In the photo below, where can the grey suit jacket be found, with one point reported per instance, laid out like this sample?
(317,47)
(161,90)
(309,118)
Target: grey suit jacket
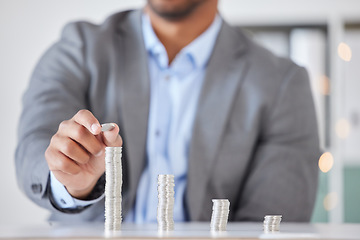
(254,139)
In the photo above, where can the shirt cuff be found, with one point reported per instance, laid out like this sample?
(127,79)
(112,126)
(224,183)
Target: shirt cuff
(62,197)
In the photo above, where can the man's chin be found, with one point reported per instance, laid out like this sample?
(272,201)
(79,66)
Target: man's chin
(173,11)
(171,16)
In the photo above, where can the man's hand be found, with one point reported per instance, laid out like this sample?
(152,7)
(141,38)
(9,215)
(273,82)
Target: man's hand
(77,150)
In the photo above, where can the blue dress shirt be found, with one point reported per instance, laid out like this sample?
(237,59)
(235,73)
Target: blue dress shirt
(175,90)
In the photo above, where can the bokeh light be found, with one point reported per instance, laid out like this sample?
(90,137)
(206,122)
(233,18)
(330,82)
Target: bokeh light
(326,162)
(330,201)
(344,52)
(342,128)
(324,85)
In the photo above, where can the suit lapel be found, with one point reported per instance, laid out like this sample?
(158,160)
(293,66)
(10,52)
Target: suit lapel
(134,97)
(225,72)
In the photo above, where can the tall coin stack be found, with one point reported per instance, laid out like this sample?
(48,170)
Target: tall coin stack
(113,177)
(272,223)
(220,214)
(165,209)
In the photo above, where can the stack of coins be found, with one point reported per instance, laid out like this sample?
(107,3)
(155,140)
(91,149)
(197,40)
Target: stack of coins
(220,214)
(113,177)
(272,223)
(165,209)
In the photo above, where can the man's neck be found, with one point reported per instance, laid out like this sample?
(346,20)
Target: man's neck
(175,35)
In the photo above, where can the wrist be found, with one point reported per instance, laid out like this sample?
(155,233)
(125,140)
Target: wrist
(81,194)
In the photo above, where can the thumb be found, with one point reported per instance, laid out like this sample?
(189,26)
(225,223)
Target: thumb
(111,137)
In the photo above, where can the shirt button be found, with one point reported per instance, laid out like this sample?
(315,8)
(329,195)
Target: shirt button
(62,201)
(157,133)
(167,77)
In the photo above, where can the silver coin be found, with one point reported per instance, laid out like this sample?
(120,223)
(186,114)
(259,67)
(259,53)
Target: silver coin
(272,223)
(113,185)
(220,214)
(165,208)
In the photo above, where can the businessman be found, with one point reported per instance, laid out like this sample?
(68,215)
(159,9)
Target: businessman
(189,95)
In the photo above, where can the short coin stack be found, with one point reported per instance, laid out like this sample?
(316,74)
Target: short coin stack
(113,176)
(272,223)
(165,209)
(220,214)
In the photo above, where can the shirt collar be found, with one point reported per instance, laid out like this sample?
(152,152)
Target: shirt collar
(198,50)
(150,39)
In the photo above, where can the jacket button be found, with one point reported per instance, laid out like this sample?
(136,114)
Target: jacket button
(36,188)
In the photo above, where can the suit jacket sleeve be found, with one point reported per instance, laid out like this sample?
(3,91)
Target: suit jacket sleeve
(57,90)
(282,177)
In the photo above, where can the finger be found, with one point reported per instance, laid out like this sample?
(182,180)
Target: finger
(80,135)
(88,120)
(111,138)
(72,149)
(59,162)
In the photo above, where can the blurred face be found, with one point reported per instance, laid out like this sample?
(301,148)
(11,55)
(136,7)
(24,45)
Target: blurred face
(174,9)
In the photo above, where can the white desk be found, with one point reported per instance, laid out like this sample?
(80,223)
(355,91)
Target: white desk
(182,231)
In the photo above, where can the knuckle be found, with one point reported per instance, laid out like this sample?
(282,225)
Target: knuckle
(55,139)
(61,164)
(83,112)
(48,155)
(51,143)
(79,132)
(55,144)
(64,165)
(64,127)
(68,147)
(63,124)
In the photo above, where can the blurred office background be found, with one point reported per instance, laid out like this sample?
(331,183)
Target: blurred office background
(322,35)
